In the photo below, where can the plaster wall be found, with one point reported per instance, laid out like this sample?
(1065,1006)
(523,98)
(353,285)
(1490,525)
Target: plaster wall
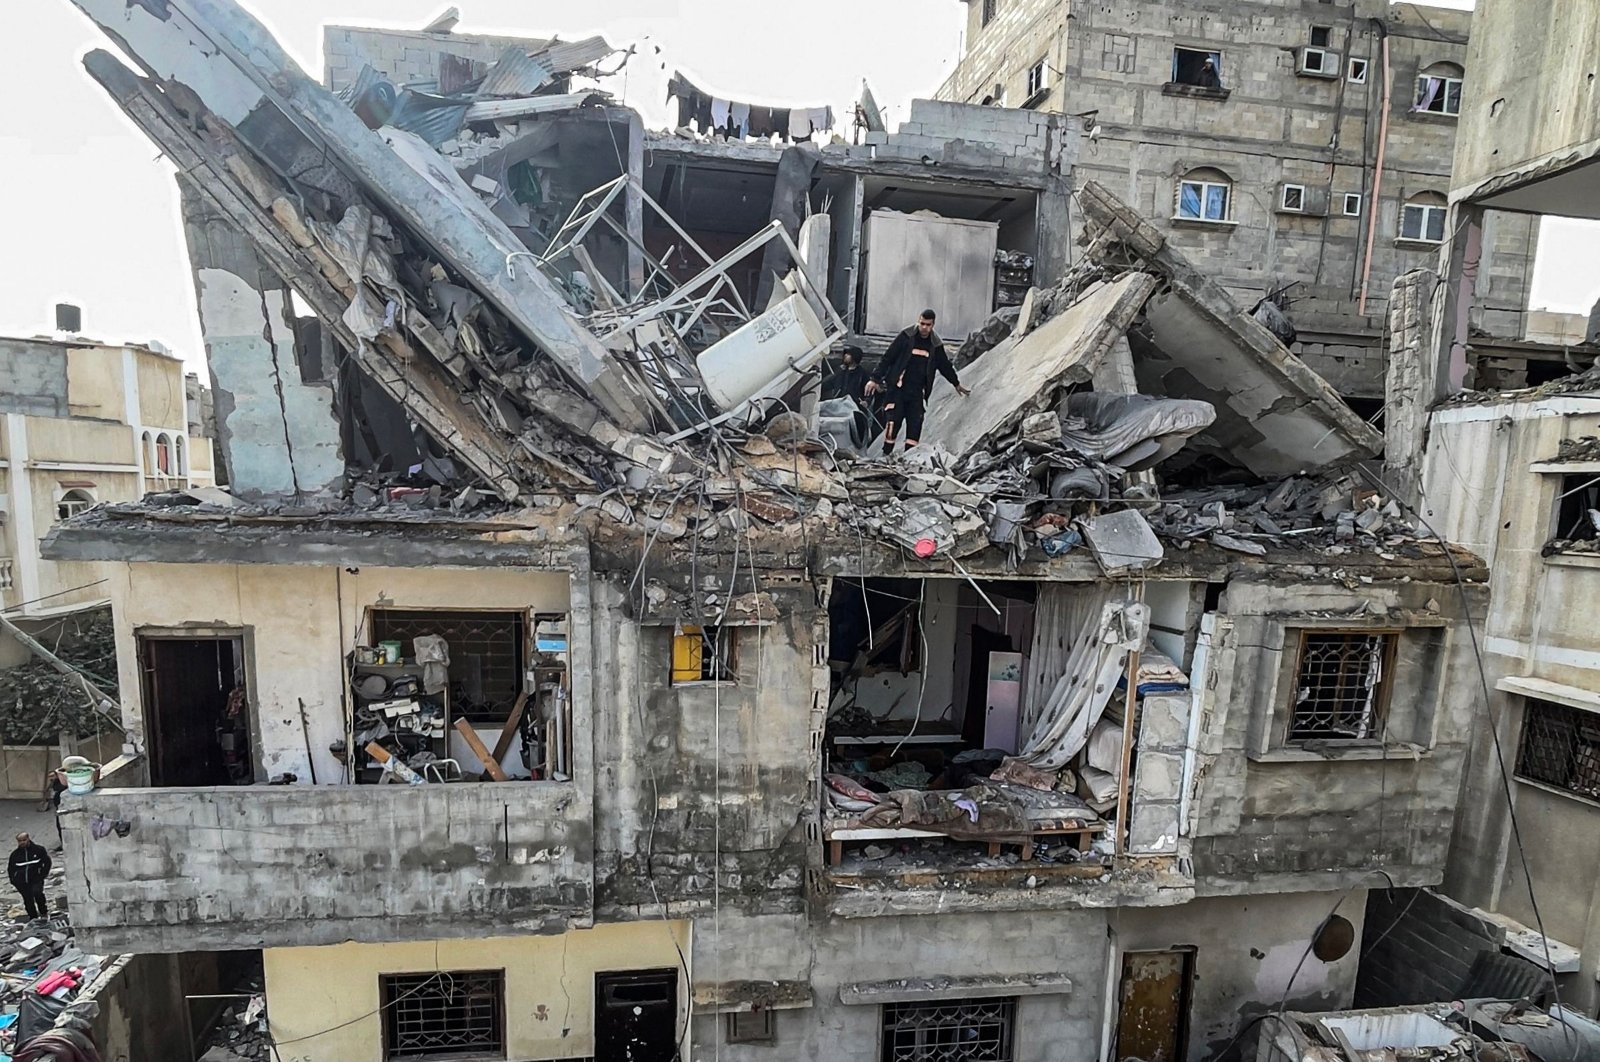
(96,383)
(1480,489)
(1533,92)
(160,383)
(1246,953)
(549,986)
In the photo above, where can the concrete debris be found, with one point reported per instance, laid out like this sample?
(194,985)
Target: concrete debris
(518,345)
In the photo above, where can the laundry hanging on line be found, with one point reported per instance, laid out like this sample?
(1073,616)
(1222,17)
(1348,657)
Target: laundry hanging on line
(737,119)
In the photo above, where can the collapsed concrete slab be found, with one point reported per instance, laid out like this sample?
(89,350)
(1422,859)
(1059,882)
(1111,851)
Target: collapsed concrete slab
(230,64)
(1012,380)
(1275,415)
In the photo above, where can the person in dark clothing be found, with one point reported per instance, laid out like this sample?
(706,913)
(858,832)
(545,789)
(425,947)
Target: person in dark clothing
(850,381)
(29,865)
(905,375)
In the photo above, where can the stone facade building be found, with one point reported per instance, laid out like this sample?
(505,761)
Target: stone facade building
(1304,172)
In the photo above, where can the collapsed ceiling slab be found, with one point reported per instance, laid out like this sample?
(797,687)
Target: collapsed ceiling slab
(1275,416)
(1012,380)
(237,71)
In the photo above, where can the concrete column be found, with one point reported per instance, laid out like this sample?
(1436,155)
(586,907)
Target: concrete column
(1462,257)
(279,435)
(1408,386)
(633,205)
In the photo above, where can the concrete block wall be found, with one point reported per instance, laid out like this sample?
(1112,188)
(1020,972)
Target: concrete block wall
(1276,126)
(284,865)
(1158,777)
(404,56)
(698,776)
(1421,946)
(1266,820)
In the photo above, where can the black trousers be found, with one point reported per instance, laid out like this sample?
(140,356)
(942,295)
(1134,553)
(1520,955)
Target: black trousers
(906,406)
(35,902)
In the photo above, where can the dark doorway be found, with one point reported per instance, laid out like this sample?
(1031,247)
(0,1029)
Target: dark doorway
(197,729)
(1153,1005)
(636,1016)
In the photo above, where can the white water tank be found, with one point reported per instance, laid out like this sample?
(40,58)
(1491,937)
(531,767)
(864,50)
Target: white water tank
(739,367)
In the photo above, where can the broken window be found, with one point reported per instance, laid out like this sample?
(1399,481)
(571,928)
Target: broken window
(488,652)
(164,454)
(1439,89)
(1578,508)
(1352,204)
(1293,199)
(1342,681)
(443,1015)
(1038,83)
(1560,747)
(988,10)
(1192,66)
(947,1031)
(1320,36)
(1422,219)
(73,502)
(752,1027)
(1357,72)
(704,654)
(1205,195)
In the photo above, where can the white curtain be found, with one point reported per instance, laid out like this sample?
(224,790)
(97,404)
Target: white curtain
(1081,640)
(1427,92)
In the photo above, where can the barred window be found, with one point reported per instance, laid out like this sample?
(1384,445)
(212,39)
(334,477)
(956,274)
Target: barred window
(1341,685)
(977,1031)
(443,1015)
(1560,747)
(488,654)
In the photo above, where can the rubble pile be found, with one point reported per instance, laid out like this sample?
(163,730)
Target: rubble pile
(42,972)
(37,702)
(240,1033)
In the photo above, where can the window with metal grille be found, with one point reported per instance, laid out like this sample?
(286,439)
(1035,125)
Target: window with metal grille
(988,10)
(1578,507)
(1341,685)
(977,1031)
(752,1027)
(1560,747)
(704,654)
(488,654)
(443,1015)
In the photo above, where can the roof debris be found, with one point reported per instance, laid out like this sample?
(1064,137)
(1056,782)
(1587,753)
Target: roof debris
(559,355)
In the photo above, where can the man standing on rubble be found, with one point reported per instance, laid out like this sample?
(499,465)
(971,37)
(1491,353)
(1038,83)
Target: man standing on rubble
(29,866)
(906,376)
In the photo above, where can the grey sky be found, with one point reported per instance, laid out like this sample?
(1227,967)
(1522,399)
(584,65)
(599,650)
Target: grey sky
(92,211)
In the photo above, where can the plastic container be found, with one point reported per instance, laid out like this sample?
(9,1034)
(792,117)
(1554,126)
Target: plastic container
(80,779)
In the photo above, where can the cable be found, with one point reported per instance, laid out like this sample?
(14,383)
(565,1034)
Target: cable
(1494,733)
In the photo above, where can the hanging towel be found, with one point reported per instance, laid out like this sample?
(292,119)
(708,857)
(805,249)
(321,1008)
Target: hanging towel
(719,113)
(740,117)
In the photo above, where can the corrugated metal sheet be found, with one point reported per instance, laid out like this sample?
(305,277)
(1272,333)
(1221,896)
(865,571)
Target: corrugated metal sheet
(516,74)
(433,118)
(491,110)
(568,56)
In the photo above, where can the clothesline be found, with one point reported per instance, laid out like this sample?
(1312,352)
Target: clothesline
(738,120)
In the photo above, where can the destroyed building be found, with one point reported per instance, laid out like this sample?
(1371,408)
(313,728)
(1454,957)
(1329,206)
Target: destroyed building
(560,678)
(1308,165)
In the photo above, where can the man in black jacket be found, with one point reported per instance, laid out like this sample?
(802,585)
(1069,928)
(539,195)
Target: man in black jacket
(29,865)
(906,376)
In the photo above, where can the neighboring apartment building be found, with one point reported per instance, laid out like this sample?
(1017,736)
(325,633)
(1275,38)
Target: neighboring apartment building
(1515,477)
(82,423)
(1312,154)
(686,646)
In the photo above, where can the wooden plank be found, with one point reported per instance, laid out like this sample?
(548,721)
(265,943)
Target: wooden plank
(490,765)
(509,731)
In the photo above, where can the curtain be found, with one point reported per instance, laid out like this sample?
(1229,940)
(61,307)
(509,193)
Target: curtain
(1189,200)
(1216,64)
(1427,92)
(1081,640)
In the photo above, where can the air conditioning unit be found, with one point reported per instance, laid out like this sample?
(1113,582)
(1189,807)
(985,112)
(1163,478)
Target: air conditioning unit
(1316,62)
